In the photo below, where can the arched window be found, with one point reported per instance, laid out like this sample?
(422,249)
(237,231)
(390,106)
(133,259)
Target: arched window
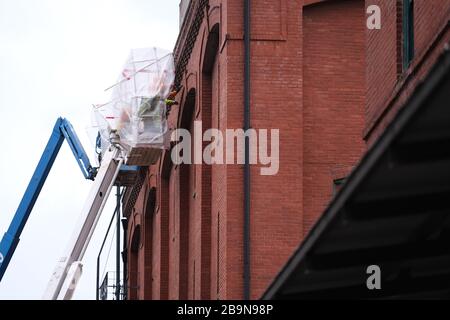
(134,261)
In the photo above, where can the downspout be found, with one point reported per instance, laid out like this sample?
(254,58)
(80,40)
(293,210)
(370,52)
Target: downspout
(117,293)
(247,150)
(124,258)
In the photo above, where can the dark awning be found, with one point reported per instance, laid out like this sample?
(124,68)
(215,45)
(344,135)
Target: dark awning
(393,211)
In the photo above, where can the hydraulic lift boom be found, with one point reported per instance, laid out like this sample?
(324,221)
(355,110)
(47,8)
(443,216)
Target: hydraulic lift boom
(62,130)
(68,270)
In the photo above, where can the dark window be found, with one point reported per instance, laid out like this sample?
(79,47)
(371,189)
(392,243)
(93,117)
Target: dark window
(337,185)
(151,203)
(134,262)
(408,32)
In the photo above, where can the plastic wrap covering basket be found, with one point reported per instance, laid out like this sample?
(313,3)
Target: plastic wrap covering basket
(137,110)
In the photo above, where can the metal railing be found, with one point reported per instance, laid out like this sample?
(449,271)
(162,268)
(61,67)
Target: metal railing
(110,280)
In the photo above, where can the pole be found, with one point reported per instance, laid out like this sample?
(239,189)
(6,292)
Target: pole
(118,245)
(247,285)
(100,252)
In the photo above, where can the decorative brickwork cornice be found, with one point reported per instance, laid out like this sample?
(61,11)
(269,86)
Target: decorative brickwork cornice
(132,194)
(188,35)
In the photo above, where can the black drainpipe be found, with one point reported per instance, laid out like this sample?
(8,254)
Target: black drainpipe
(118,248)
(247,150)
(125,258)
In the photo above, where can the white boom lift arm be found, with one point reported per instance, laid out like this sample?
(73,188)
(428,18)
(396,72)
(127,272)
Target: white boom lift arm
(68,270)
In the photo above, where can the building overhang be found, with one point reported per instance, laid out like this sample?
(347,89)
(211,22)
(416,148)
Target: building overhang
(393,211)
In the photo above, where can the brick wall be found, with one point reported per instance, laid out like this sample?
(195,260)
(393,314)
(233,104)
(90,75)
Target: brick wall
(205,208)
(384,87)
(333,112)
(313,69)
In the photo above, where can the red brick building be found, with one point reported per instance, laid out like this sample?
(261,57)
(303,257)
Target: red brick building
(318,75)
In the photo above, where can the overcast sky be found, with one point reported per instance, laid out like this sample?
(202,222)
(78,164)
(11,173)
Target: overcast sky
(56,58)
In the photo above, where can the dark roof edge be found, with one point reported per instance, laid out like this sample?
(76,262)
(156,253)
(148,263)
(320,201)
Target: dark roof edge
(423,91)
(388,104)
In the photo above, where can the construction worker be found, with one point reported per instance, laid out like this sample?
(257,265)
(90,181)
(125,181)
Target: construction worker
(170,101)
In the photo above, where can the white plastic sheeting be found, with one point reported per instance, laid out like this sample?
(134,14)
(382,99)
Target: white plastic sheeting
(137,109)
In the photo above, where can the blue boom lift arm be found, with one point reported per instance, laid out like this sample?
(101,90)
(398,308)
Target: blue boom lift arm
(62,130)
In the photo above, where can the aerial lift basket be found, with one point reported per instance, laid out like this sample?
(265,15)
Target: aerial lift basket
(137,110)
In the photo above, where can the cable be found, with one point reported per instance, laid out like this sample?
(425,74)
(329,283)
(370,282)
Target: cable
(109,252)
